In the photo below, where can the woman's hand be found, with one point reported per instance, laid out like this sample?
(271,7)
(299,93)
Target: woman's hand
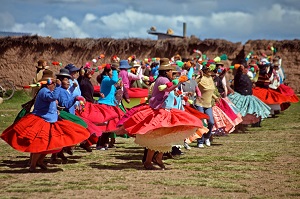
(58,82)
(102,95)
(75,84)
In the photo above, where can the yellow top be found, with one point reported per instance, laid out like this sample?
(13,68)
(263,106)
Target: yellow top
(207,88)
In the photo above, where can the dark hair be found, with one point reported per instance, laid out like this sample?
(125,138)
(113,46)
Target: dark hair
(105,71)
(61,77)
(154,64)
(163,73)
(186,59)
(243,62)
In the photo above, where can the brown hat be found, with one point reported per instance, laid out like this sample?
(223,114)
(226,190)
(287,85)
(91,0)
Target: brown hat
(47,74)
(220,63)
(276,63)
(164,64)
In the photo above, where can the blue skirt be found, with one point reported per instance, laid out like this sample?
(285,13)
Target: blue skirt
(249,104)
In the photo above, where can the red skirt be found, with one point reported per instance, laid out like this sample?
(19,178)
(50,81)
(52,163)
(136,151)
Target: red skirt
(33,134)
(159,129)
(269,96)
(112,124)
(98,113)
(92,128)
(195,112)
(147,119)
(289,92)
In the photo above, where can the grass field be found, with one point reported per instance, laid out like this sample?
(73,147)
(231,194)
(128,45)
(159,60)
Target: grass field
(261,163)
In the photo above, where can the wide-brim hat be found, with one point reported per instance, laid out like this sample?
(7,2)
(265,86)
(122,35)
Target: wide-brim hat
(220,63)
(71,68)
(64,72)
(124,64)
(164,64)
(47,74)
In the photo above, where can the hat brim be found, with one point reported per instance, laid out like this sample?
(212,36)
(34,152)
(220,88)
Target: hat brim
(166,67)
(45,79)
(63,75)
(74,69)
(125,66)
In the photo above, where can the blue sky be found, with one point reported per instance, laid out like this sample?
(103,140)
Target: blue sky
(233,20)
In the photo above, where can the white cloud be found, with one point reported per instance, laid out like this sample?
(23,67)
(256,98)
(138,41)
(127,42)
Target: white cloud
(271,21)
(89,17)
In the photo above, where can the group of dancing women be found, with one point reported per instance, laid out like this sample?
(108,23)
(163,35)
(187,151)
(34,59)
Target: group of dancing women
(188,100)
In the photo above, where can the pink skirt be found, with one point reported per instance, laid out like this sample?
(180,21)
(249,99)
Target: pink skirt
(159,129)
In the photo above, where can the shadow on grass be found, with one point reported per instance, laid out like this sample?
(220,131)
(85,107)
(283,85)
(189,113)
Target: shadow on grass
(22,166)
(24,163)
(14,163)
(133,165)
(216,144)
(18,171)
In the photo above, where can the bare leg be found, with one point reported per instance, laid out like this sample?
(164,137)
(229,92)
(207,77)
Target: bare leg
(112,142)
(158,160)
(34,158)
(148,162)
(40,162)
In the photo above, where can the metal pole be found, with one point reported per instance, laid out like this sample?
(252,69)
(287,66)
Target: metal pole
(184,29)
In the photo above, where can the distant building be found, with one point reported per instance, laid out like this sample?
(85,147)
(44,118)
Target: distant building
(13,34)
(168,34)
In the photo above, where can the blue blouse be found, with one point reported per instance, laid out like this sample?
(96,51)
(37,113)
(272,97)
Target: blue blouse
(108,88)
(67,100)
(74,91)
(45,104)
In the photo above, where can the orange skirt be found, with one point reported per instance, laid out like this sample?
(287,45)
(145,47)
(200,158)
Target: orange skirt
(33,134)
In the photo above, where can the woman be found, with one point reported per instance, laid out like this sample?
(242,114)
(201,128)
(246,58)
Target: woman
(66,102)
(269,95)
(156,126)
(108,80)
(251,108)
(204,103)
(74,87)
(42,132)
(93,112)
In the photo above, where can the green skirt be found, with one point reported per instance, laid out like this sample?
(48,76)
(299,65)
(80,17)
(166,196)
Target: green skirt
(73,118)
